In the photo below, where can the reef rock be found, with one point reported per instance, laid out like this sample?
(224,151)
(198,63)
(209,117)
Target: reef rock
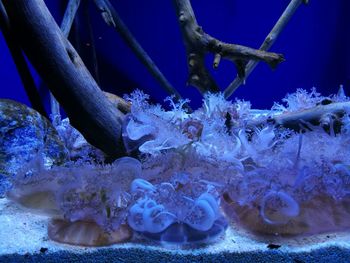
(23,134)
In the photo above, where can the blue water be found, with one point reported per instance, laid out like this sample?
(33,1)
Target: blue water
(315,43)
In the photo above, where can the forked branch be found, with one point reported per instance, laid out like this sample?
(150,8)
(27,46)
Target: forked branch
(66,25)
(199,44)
(266,45)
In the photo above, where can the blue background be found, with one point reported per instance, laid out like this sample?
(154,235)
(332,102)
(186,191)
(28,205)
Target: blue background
(315,43)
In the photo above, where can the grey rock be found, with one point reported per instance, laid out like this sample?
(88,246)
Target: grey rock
(24,134)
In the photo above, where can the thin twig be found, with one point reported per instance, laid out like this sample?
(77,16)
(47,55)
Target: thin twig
(198,44)
(266,45)
(69,15)
(91,43)
(66,25)
(20,62)
(112,18)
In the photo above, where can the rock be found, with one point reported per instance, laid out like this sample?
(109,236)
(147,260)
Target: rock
(23,134)
(4,184)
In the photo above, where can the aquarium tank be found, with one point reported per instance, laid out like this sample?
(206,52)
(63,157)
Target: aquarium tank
(174,131)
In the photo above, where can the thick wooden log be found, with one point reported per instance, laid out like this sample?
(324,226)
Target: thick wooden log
(61,68)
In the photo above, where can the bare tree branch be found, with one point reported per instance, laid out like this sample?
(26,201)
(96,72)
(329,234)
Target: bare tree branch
(319,115)
(266,45)
(112,18)
(60,66)
(326,114)
(66,25)
(20,62)
(69,16)
(198,44)
(92,57)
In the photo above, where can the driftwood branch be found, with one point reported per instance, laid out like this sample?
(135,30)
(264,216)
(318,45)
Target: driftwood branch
(61,68)
(198,44)
(69,16)
(66,25)
(20,62)
(266,45)
(112,18)
(321,115)
(326,113)
(92,55)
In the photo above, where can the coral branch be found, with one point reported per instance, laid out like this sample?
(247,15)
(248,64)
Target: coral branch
(198,44)
(111,17)
(266,45)
(20,62)
(61,68)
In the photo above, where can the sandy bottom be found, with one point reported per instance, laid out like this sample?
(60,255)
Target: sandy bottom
(23,235)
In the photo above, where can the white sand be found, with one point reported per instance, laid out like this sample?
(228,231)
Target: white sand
(22,232)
